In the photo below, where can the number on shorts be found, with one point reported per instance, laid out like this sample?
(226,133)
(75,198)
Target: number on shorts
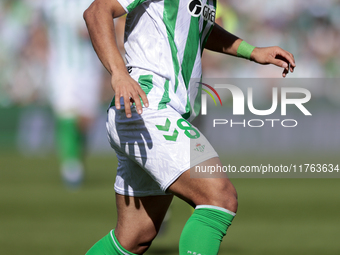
(188,129)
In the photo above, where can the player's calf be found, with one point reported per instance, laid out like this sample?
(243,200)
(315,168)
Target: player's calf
(216,191)
(215,201)
(203,232)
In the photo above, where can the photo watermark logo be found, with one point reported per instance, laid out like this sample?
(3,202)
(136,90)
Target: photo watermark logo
(204,97)
(267,128)
(239,100)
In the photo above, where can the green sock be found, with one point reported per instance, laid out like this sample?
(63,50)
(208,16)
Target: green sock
(69,139)
(203,232)
(108,245)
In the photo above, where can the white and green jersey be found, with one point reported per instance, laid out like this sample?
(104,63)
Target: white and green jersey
(164,41)
(71,50)
(74,69)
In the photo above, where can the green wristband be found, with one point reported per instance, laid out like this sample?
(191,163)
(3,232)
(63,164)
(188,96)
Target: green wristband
(245,50)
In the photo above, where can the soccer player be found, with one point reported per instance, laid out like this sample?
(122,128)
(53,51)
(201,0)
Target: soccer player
(148,119)
(75,75)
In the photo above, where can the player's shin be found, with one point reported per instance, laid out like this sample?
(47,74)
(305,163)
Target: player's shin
(108,245)
(203,232)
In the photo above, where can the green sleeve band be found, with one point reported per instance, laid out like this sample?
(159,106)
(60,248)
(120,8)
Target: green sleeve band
(245,50)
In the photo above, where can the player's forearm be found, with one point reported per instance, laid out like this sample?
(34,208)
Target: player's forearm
(99,21)
(225,42)
(222,41)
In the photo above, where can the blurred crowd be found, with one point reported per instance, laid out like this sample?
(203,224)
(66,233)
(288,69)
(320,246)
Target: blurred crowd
(308,29)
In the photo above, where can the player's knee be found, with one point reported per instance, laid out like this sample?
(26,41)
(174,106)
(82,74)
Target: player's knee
(142,248)
(141,243)
(231,202)
(226,198)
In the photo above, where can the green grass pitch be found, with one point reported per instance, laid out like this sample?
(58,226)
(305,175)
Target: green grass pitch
(276,216)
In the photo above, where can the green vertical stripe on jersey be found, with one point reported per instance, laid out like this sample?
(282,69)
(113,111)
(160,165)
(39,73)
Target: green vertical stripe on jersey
(170,17)
(134,4)
(145,81)
(165,99)
(205,22)
(187,113)
(189,58)
(190,51)
(197,103)
(204,40)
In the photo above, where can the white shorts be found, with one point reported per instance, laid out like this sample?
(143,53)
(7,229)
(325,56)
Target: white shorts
(153,149)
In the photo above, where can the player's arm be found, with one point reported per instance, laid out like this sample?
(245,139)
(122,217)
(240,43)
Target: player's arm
(222,41)
(99,21)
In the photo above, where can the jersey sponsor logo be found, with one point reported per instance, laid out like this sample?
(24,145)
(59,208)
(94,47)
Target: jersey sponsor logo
(196,8)
(209,14)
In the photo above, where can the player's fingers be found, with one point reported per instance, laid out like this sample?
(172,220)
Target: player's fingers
(287,56)
(127,106)
(117,99)
(292,63)
(143,97)
(285,72)
(292,68)
(280,63)
(136,99)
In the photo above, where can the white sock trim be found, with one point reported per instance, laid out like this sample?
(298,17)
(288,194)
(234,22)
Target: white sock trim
(216,208)
(117,246)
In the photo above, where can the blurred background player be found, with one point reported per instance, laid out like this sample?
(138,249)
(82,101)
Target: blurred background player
(75,77)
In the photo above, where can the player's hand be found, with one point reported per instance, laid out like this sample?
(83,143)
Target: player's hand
(275,56)
(126,87)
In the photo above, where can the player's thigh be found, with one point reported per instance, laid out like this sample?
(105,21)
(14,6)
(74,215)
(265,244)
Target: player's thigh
(216,190)
(139,219)
(160,142)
